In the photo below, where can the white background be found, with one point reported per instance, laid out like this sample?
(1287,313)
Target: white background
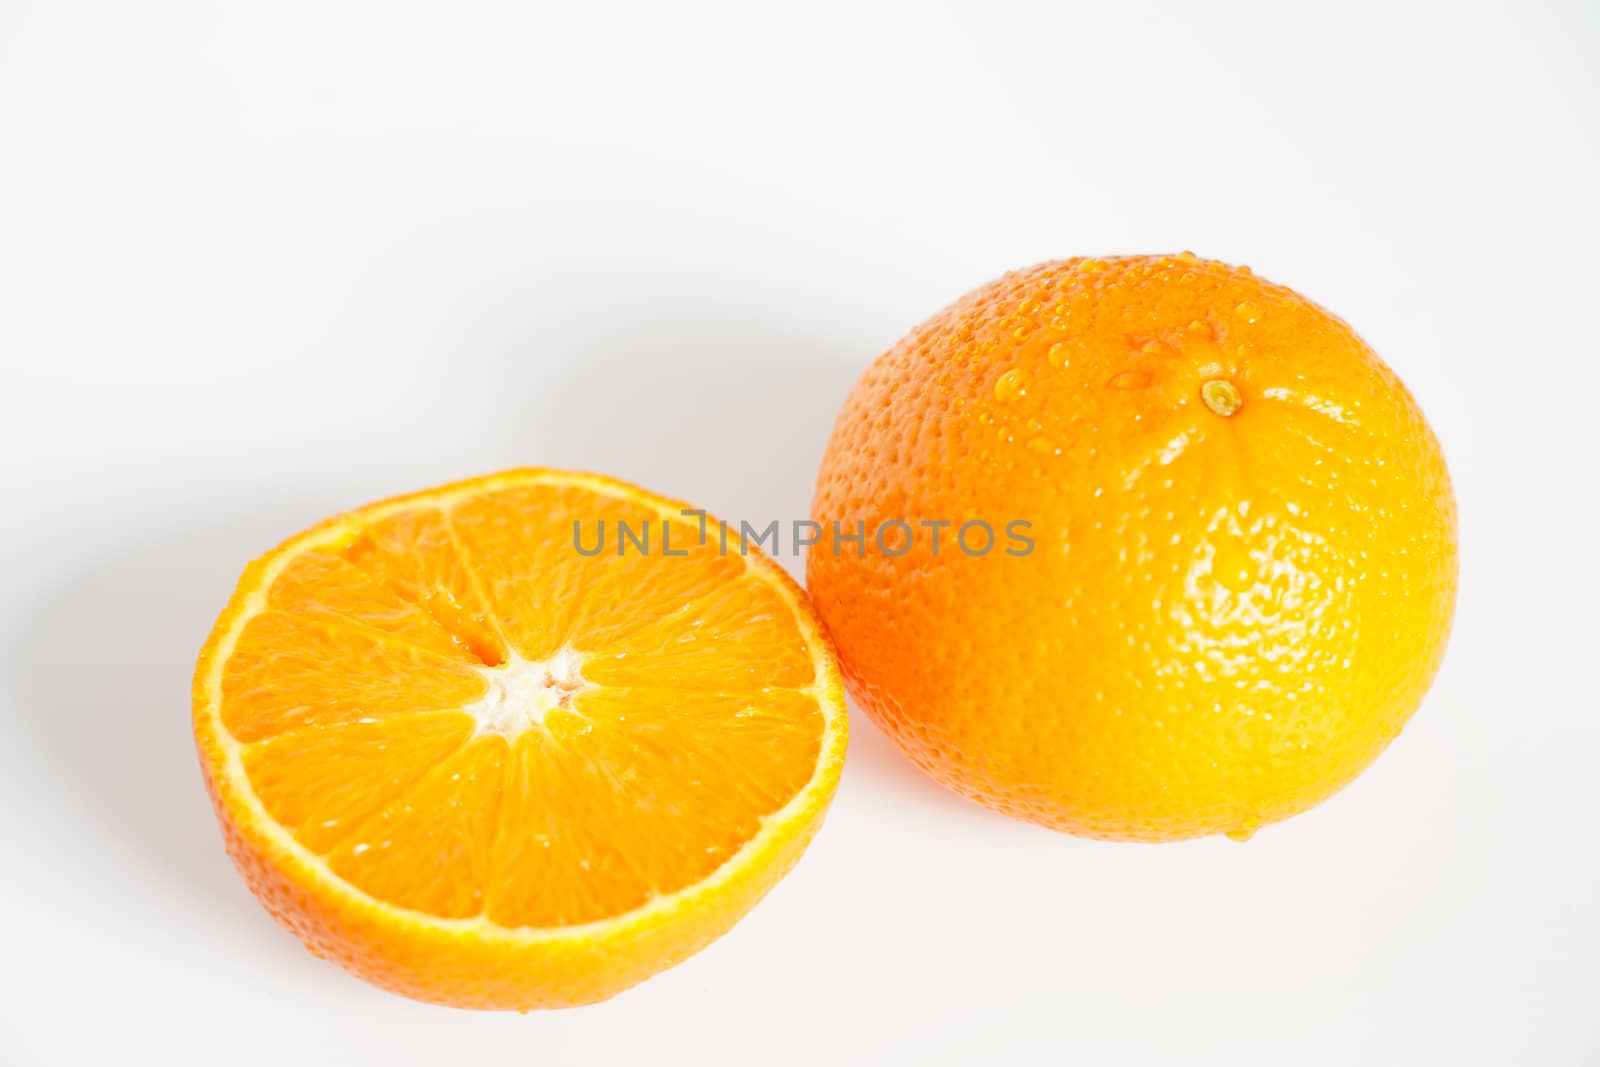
(261,262)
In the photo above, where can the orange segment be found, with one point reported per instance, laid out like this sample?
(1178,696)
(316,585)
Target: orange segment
(325,585)
(438,711)
(293,670)
(674,781)
(631,591)
(416,554)
(694,646)
(565,580)
(428,848)
(319,782)
(519,541)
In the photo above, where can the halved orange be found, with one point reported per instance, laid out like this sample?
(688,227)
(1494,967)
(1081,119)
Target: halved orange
(476,764)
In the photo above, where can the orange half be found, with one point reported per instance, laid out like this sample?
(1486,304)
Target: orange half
(476,764)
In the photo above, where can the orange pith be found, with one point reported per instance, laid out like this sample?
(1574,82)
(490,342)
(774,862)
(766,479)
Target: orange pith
(1244,548)
(478,766)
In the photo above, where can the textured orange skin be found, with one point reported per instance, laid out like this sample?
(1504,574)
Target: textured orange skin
(1224,618)
(475,964)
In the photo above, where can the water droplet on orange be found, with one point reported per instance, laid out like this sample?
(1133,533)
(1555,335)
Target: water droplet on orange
(1042,446)
(1234,567)
(1245,830)
(1010,385)
(1248,310)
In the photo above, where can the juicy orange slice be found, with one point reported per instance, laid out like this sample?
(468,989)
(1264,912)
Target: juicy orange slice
(476,762)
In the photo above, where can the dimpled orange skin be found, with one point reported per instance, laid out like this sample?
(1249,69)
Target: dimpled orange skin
(1230,608)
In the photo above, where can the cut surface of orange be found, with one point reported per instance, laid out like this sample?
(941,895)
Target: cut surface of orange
(477,762)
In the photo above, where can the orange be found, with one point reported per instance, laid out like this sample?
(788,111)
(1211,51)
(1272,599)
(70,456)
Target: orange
(478,766)
(1234,569)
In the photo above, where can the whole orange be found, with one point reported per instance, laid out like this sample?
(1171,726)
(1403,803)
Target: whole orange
(1220,559)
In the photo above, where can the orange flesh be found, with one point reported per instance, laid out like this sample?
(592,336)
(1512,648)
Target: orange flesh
(690,718)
